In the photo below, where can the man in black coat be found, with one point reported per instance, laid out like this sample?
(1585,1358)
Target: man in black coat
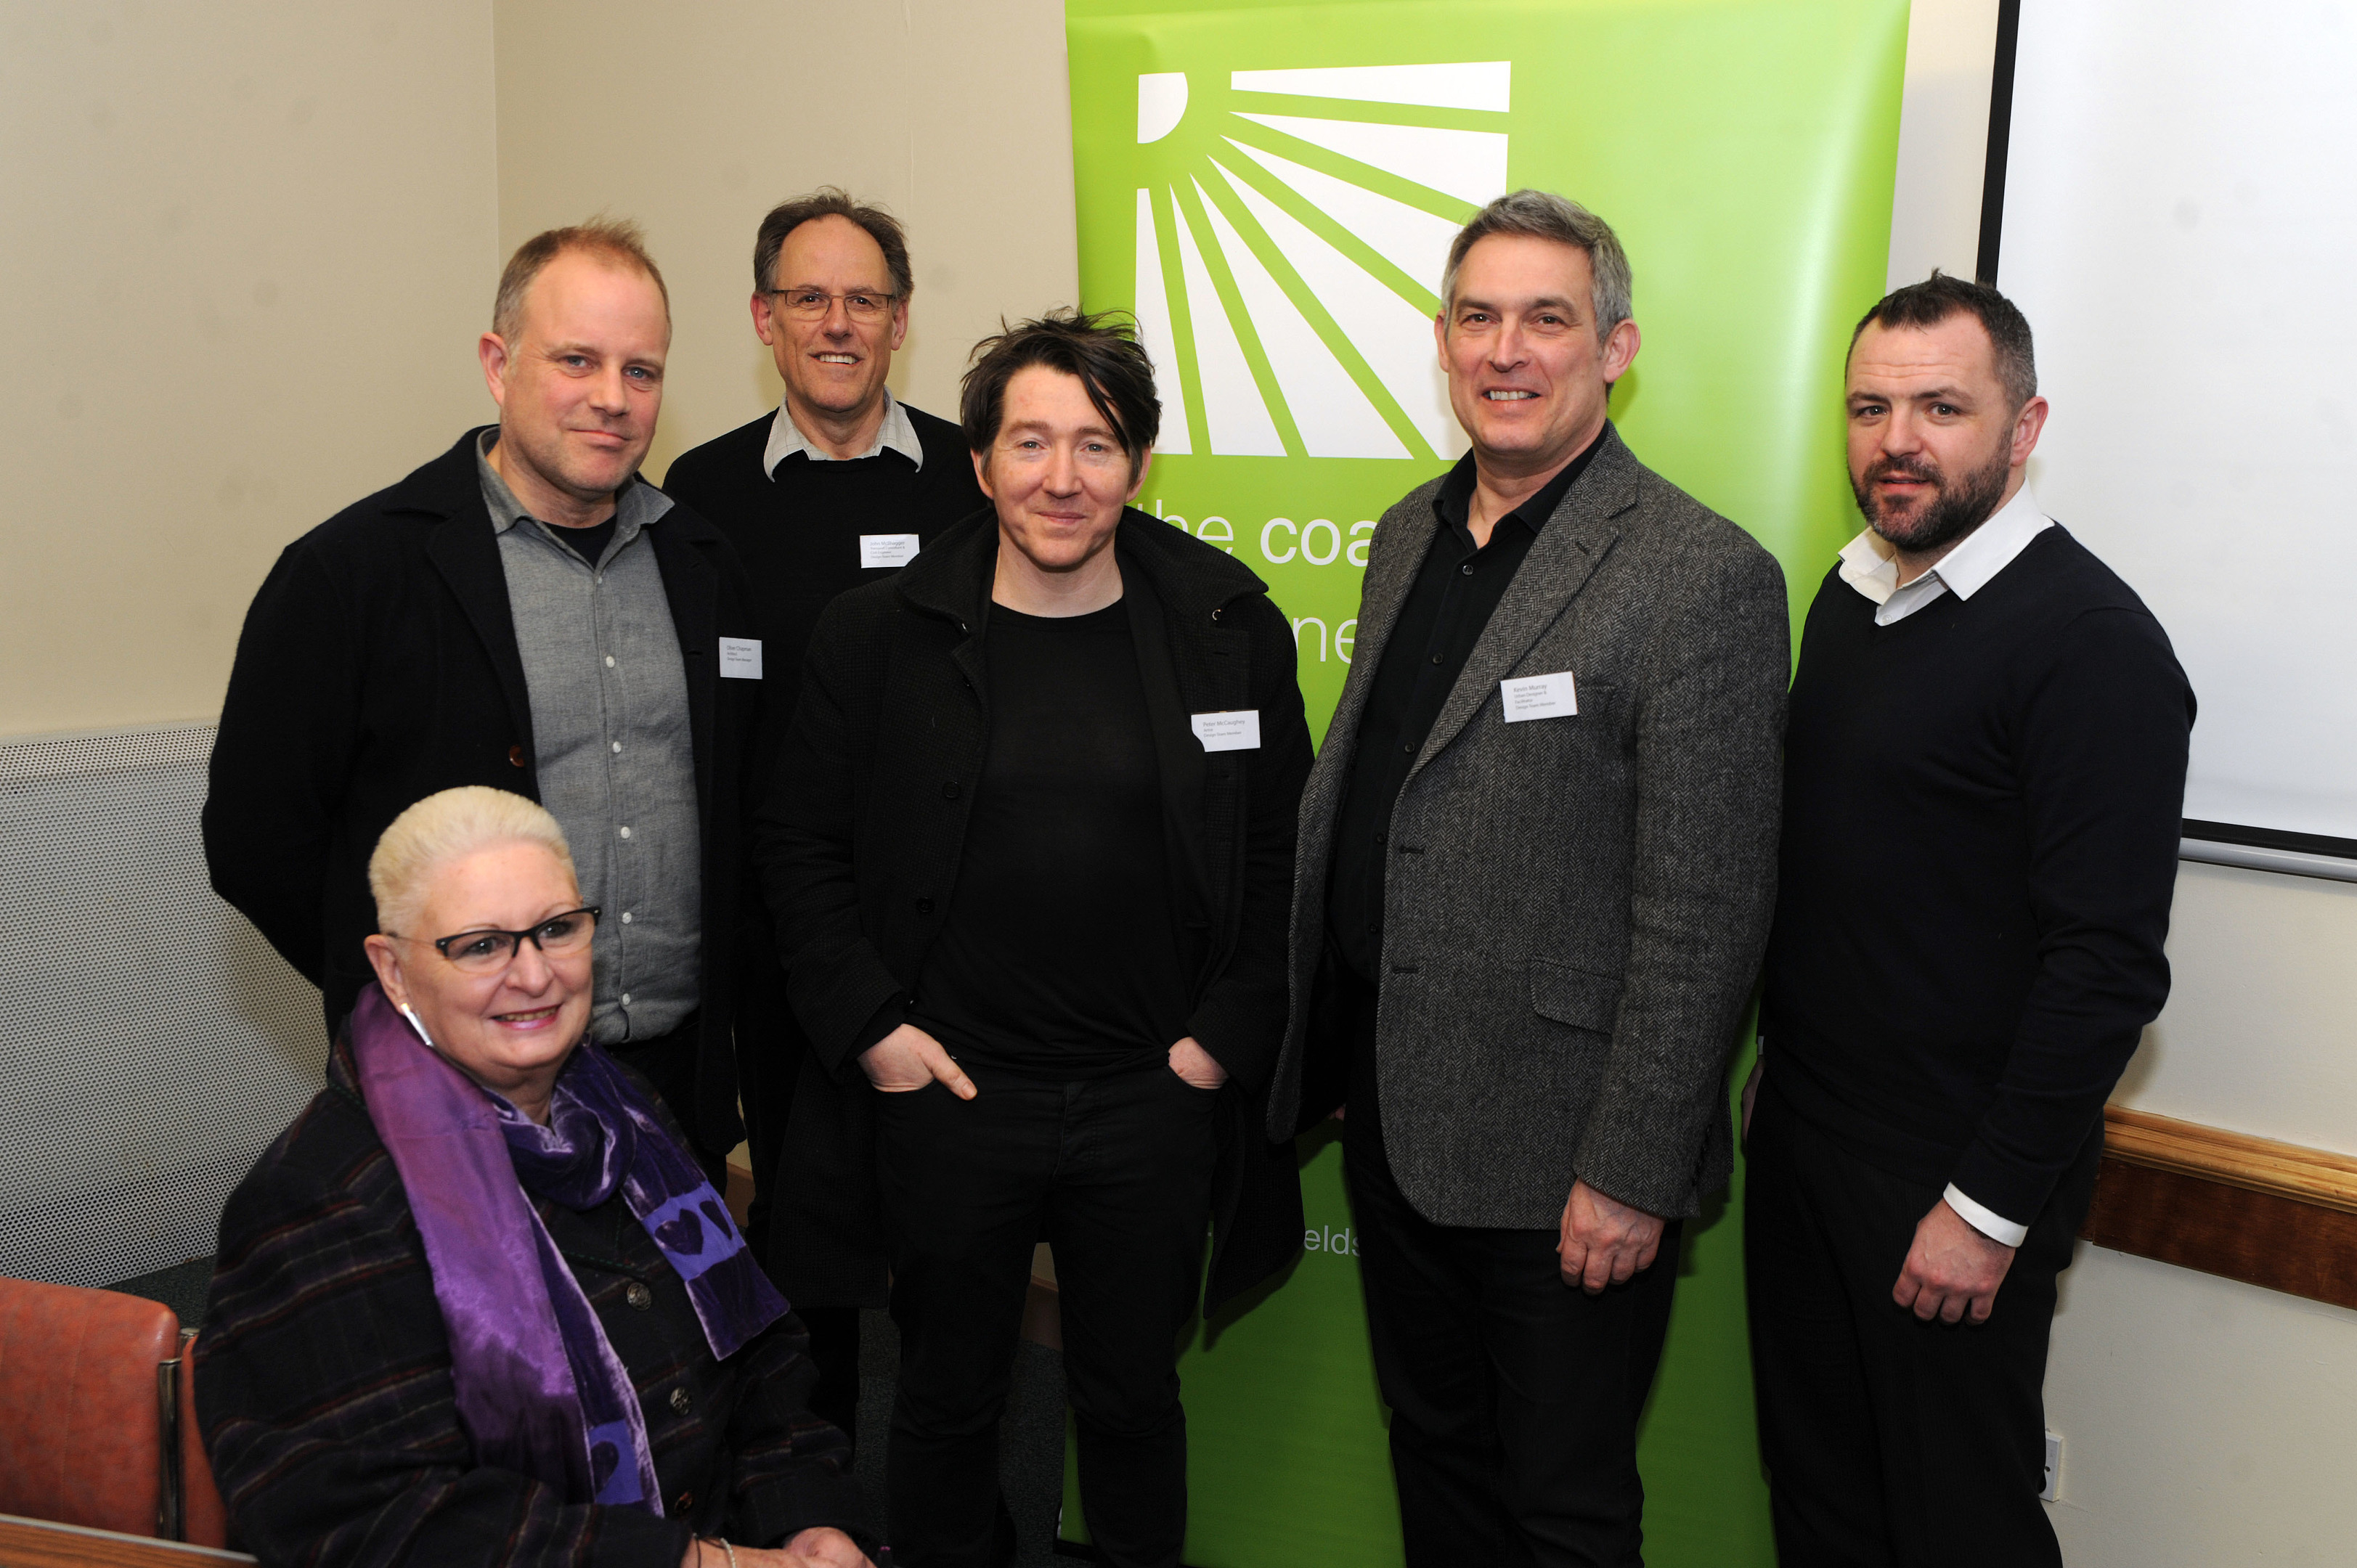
(840,486)
(523,612)
(1030,852)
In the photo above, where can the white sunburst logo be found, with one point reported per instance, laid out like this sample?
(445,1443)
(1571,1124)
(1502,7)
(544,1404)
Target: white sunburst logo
(1289,260)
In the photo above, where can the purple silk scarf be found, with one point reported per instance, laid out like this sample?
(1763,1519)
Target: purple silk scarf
(539,1388)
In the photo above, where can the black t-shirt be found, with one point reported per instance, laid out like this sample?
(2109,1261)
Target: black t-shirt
(589,542)
(1058,954)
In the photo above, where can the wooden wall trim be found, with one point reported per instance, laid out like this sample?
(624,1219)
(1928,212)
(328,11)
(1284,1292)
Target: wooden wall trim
(2247,1209)
(2235,1159)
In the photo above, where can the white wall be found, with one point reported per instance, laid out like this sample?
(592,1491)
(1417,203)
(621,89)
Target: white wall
(2205,1423)
(243,243)
(953,115)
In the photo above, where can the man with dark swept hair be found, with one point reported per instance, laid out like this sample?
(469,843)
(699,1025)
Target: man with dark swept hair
(1983,772)
(527,612)
(839,485)
(1029,852)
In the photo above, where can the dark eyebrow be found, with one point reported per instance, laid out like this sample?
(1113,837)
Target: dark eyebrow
(1543,302)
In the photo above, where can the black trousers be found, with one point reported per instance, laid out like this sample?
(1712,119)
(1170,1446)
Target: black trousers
(770,1047)
(1115,1173)
(1891,1443)
(1514,1397)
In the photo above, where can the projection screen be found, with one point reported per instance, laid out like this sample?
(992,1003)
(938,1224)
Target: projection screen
(2179,219)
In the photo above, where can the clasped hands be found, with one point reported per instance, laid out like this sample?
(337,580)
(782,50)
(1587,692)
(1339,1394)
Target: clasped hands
(824,1547)
(908,1059)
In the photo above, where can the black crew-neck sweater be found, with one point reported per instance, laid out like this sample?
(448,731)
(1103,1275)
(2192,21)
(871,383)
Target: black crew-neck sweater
(1059,953)
(1981,809)
(798,533)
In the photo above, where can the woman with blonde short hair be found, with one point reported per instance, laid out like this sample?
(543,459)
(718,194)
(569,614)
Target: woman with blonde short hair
(479,1304)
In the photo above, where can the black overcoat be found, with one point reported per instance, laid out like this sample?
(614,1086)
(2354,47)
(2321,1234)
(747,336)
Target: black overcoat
(859,840)
(379,665)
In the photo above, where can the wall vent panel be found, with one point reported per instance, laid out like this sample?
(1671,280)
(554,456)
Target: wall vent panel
(151,1043)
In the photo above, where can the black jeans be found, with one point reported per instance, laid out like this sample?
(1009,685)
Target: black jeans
(1114,1173)
(1893,1443)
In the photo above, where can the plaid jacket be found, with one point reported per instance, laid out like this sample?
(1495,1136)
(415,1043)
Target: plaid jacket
(324,1391)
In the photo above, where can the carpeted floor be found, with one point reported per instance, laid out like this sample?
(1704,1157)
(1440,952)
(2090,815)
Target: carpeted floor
(1031,1436)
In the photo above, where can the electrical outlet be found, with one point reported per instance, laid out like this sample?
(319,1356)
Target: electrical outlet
(2053,1487)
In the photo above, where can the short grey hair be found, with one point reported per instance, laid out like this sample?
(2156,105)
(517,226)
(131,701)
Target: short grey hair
(1544,215)
(449,826)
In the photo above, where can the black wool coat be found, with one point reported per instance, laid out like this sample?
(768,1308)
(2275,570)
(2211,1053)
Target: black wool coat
(859,840)
(379,665)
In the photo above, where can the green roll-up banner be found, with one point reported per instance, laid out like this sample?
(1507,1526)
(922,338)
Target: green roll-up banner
(1272,190)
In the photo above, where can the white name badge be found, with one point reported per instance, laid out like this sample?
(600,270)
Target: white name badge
(1540,697)
(1238,729)
(740,658)
(886,550)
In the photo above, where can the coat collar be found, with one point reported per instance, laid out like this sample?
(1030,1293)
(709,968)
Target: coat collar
(1193,580)
(465,550)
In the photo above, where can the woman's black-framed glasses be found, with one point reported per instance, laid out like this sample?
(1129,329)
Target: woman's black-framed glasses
(487,952)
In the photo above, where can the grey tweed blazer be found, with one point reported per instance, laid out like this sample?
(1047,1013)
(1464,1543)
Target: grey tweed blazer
(1575,908)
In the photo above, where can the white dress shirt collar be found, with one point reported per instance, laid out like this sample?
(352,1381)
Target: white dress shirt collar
(898,432)
(1869,563)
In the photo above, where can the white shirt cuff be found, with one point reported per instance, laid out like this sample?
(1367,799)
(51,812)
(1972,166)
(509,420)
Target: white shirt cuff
(1986,1220)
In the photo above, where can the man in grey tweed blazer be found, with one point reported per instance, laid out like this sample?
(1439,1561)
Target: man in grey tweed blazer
(1535,870)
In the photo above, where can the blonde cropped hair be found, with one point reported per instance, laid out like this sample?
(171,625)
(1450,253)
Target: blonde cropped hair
(448,826)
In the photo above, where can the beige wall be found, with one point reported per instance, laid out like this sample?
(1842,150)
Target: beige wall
(696,120)
(242,240)
(250,246)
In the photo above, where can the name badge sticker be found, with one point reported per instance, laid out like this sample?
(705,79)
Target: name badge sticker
(888,550)
(740,658)
(1237,729)
(1540,697)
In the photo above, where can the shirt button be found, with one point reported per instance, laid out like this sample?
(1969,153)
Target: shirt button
(610,661)
(626,999)
(950,790)
(1466,568)
(1408,746)
(1436,659)
(639,1296)
(680,1400)
(618,745)
(625,916)
(924,906)
(626,832)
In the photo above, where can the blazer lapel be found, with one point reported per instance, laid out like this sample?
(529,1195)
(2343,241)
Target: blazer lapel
(465,553)
(1389,577)
(1568,550)
(693,588)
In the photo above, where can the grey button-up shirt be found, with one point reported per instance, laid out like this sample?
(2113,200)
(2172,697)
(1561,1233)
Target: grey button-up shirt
(612,748)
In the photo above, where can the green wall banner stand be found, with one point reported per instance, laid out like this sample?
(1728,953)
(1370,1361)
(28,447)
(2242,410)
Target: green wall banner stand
(1272,189)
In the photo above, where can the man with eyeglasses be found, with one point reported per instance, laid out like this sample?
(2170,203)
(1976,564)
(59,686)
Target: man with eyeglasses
(523,612)
(841,484)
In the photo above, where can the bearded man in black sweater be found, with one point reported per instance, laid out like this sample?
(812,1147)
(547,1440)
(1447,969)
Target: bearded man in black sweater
(841,485)
(1984,771)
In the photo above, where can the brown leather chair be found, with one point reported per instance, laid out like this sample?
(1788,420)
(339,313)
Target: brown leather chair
(86,1399)
(204,1517)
